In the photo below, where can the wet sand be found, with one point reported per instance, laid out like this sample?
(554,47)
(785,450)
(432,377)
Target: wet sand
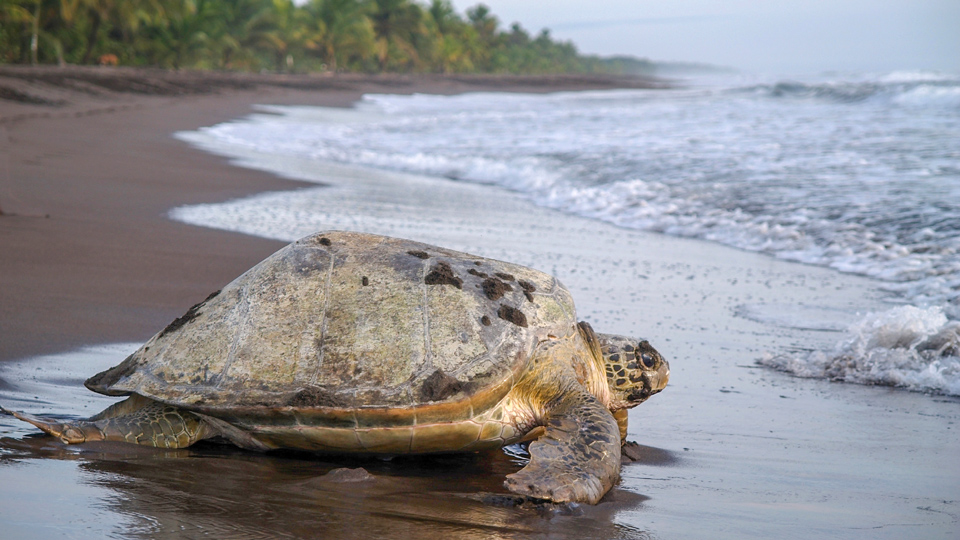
(729,450)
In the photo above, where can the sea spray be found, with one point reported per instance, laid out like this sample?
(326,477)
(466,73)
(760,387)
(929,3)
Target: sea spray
(908,347)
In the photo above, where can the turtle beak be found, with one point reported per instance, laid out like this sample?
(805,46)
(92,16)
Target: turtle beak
(663,375)
(653,382)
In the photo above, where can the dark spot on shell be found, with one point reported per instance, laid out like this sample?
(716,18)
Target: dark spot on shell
(476,273)
(442,274)
(504,276)
(419,254)
(628,348)
(621,373)
(528,289)
(632,365)
(364,281)
(478,263)
(494,288)
(315,397)
(325,242)
(485,320)
(615,357)
(512,314)
(188,316)
(439,386)
(621,382)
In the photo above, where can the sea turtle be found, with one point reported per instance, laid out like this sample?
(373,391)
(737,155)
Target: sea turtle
(354,343)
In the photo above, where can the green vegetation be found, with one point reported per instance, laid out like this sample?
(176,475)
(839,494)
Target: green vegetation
(278,35)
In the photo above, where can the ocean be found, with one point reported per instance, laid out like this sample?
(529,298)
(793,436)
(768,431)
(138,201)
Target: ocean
(858,173)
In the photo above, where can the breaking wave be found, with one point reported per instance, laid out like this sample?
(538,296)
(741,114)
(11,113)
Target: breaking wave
(907,347)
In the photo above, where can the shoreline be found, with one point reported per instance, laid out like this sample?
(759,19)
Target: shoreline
(89,169)
(730,449)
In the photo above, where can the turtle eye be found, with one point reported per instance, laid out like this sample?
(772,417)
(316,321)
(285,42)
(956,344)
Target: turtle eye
(648,360)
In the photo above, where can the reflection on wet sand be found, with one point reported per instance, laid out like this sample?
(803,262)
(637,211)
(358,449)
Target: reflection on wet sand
(217,491)
(118,490)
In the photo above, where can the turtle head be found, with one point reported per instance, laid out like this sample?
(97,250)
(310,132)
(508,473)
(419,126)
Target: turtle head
(635,370)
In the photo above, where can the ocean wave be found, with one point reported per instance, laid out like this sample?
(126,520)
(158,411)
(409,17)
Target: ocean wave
(913,76)
(862,189)
(907,347)
(905,88)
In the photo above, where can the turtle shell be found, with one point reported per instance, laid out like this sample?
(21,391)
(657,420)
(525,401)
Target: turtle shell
(350,321)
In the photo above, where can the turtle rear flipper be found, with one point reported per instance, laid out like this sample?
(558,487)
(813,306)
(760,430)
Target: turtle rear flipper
(135,420)
(578,457)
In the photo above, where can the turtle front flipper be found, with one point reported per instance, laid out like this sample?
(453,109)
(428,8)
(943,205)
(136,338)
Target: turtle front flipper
(578,457)
(135,420)
(622,418)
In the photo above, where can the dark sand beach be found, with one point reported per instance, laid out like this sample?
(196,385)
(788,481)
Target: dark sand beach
(728,450)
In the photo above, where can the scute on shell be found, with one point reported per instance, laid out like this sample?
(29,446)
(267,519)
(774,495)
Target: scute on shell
(350,321)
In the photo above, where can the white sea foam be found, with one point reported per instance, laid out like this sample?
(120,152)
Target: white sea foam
(914,76)
(908,347)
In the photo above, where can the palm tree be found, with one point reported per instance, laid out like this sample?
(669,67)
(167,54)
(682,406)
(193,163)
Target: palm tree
(397,25)
(485,26)
(443,14)
(97,10)
(15,15)
(183,31)
(238,32)
(456,41)
(279,29)
(125,16)
(340,31)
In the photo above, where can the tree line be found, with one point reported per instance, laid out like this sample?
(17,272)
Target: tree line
(280,35)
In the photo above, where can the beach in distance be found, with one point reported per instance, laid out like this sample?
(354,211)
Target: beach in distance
(811,333)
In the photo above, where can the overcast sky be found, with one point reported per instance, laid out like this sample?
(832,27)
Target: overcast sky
(753,35)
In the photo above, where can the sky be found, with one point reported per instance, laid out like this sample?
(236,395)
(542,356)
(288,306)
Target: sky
(773,36)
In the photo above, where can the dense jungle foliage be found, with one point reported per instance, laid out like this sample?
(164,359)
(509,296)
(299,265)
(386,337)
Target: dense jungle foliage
(280,35)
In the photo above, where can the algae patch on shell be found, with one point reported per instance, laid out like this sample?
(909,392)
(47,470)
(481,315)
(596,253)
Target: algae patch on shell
(513,315)
(442,274)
